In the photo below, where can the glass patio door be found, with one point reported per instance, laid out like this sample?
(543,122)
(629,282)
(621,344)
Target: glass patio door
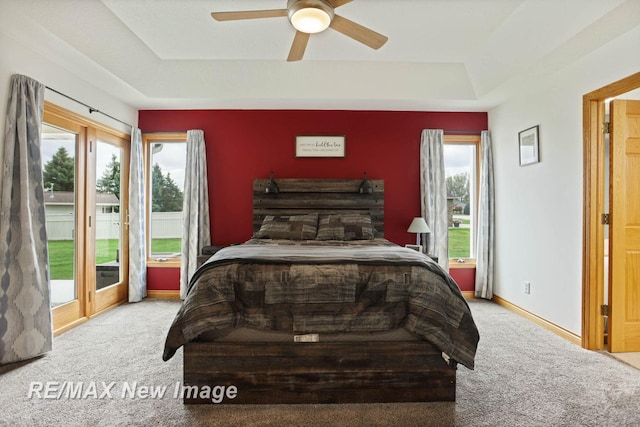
(109,229)
(85,179)
(59,176)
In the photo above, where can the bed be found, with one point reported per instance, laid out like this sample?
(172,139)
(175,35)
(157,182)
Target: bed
(317,307)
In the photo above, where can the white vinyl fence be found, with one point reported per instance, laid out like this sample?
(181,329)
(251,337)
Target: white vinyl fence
(165,225)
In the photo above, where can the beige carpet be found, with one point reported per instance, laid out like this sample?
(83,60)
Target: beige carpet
(524,376)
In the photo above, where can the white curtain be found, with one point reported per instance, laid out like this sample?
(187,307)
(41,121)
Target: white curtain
(433,194)
(485,250)
(137,227)
(195,209)
(25,309)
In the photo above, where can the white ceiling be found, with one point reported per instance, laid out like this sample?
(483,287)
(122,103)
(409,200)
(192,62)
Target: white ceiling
(441,54)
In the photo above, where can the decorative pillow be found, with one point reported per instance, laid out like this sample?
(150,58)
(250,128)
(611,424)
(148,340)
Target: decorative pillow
(293,227)
(345,227)
(330,228)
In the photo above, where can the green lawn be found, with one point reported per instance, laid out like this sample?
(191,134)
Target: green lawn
(459,242)
(61,254)
(166,245)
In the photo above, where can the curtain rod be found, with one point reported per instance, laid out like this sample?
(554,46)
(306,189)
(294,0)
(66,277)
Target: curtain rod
(470,132)
(91,109)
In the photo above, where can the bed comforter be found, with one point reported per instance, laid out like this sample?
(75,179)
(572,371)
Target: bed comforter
(326,287)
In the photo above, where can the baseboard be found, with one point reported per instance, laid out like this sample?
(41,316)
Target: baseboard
(163,294)
(558,330)
(468,294)
(68,326)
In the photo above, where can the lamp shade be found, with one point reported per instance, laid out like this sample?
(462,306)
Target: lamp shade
(419,225)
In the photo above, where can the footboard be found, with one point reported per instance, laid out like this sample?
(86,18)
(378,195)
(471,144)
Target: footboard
(321,372)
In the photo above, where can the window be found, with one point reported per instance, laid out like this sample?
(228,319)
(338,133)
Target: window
(166,155)
(461,157)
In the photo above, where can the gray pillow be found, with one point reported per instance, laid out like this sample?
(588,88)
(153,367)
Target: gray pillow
(345,227)
(292,227)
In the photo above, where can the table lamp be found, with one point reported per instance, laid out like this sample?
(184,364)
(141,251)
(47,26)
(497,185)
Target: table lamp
(419,226)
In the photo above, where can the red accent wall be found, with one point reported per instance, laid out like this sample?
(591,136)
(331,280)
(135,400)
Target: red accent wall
(163,278)
(464,277)
(247,144)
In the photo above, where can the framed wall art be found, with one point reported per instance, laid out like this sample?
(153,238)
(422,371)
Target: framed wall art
(320,146)
(529,143)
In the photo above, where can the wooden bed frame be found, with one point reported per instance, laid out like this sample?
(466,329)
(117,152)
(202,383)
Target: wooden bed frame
(302,196)
(318,372)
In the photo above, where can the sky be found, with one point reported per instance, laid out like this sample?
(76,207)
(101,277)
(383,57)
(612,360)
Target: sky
(172,159)
(457,158)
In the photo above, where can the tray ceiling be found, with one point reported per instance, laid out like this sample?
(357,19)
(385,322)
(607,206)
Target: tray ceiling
(441,54)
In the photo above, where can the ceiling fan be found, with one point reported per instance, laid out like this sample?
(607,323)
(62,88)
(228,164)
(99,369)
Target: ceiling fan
(309,17)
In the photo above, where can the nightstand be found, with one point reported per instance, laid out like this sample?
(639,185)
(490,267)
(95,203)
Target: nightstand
(207,252)
(419,249)
(211,250)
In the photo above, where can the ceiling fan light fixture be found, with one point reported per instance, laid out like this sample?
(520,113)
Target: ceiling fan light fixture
(310,20)
(310,16)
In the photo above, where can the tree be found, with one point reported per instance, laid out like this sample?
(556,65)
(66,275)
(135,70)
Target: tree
(172,196)
(157,182)
(165,194)
(60,171)
(110,180)
(458,186)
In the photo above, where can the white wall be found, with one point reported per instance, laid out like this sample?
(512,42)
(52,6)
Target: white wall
(539,207)
(16,58)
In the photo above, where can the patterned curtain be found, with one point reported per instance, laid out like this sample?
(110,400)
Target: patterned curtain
(486,222)
(433,194)
(195,209)
(25,310)
(137,241)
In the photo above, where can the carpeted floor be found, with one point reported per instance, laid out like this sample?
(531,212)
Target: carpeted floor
(524,376)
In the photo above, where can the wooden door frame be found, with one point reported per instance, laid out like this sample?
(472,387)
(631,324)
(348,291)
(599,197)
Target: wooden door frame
(112,295)
(594,192)
(80,310)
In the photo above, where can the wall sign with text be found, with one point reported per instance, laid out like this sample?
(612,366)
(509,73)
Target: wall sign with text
(320,146)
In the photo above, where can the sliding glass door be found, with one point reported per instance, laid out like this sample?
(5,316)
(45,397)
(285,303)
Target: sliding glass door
(59,174)
(109,232)
(85,177)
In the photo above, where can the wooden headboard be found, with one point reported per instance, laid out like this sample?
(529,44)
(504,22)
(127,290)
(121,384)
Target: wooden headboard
(328,196)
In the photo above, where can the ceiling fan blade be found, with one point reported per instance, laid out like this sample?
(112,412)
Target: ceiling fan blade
(338,3)
(358,32)
(248,14)
(298,46)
